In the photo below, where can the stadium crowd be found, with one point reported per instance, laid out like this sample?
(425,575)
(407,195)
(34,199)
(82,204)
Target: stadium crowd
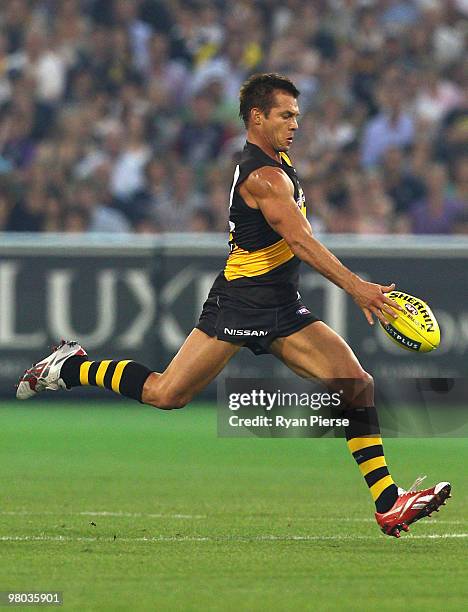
(122,115)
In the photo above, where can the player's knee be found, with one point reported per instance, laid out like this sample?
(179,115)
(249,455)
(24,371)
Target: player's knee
(365,378)
(363,382)
(356,375)
(357,388)
(169,400)
(364,390)
(161,394)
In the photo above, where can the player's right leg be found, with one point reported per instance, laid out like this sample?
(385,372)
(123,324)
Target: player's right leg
(316,351)
(198,362)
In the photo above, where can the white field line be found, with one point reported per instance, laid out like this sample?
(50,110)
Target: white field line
(140,515)
(120,514)
(103,513)
(372,520)
(264,538)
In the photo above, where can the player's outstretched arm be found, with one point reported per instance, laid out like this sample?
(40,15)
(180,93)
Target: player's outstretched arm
(270,190)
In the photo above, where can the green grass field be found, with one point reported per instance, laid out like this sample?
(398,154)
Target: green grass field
(122,507)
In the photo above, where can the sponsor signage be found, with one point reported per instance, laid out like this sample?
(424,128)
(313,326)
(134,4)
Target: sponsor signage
(408,343)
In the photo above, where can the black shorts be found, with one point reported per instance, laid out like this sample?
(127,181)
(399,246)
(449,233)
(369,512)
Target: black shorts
(226,316)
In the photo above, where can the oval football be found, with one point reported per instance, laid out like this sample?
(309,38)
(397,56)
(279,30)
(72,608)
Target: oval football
(416,328)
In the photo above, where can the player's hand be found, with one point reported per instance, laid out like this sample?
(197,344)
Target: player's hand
(372,300)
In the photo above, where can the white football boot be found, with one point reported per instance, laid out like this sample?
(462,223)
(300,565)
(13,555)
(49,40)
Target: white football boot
(46,373)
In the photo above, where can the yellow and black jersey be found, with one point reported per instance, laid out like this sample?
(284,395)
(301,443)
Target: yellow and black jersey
(255,248)
(258,255)
(254,300)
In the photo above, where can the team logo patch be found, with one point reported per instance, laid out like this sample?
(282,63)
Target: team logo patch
(303,311)
(411,309)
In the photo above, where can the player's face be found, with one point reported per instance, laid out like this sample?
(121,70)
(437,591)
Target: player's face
(281,123)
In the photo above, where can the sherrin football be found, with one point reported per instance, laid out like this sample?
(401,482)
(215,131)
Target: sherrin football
(416,328)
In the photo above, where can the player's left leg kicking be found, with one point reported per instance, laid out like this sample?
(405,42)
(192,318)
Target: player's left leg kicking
(198,362)
(316,351)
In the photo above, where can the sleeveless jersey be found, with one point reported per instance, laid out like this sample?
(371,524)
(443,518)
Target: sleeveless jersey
(258,255)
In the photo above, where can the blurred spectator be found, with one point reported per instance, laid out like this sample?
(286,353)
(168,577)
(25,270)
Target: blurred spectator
(53,213)
(100,218)
(126,15)
(28,214)
(436,97)
(370,210)
(201,137)
(448,33)
(170,75)
(332,130)
(381,207)
(16,15)
(76,220)
(130,153)
(40,61)
(369,35)
(176,209)
(452,139)
(156,189)
(437,212)
(202,220)
(392,127)
(230,67)
(18,147)
(403,187)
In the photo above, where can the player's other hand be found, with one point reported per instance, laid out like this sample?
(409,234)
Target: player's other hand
(372,300)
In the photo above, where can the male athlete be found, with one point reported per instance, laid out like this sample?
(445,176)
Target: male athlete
(257,292)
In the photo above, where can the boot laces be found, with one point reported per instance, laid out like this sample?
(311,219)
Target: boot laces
(414,487)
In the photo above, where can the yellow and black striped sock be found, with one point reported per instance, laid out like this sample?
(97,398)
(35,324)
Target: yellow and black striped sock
(365,443)
(124,377)
(369,455)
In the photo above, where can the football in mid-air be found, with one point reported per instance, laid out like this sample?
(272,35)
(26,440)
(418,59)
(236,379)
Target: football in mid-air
(416,328)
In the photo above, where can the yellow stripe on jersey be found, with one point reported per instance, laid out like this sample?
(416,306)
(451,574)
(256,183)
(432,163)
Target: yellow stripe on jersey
(242,263)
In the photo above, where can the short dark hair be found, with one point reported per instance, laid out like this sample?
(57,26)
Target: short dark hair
(258,92)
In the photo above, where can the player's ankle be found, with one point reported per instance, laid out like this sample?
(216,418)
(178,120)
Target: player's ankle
(387,499)
(70,371)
